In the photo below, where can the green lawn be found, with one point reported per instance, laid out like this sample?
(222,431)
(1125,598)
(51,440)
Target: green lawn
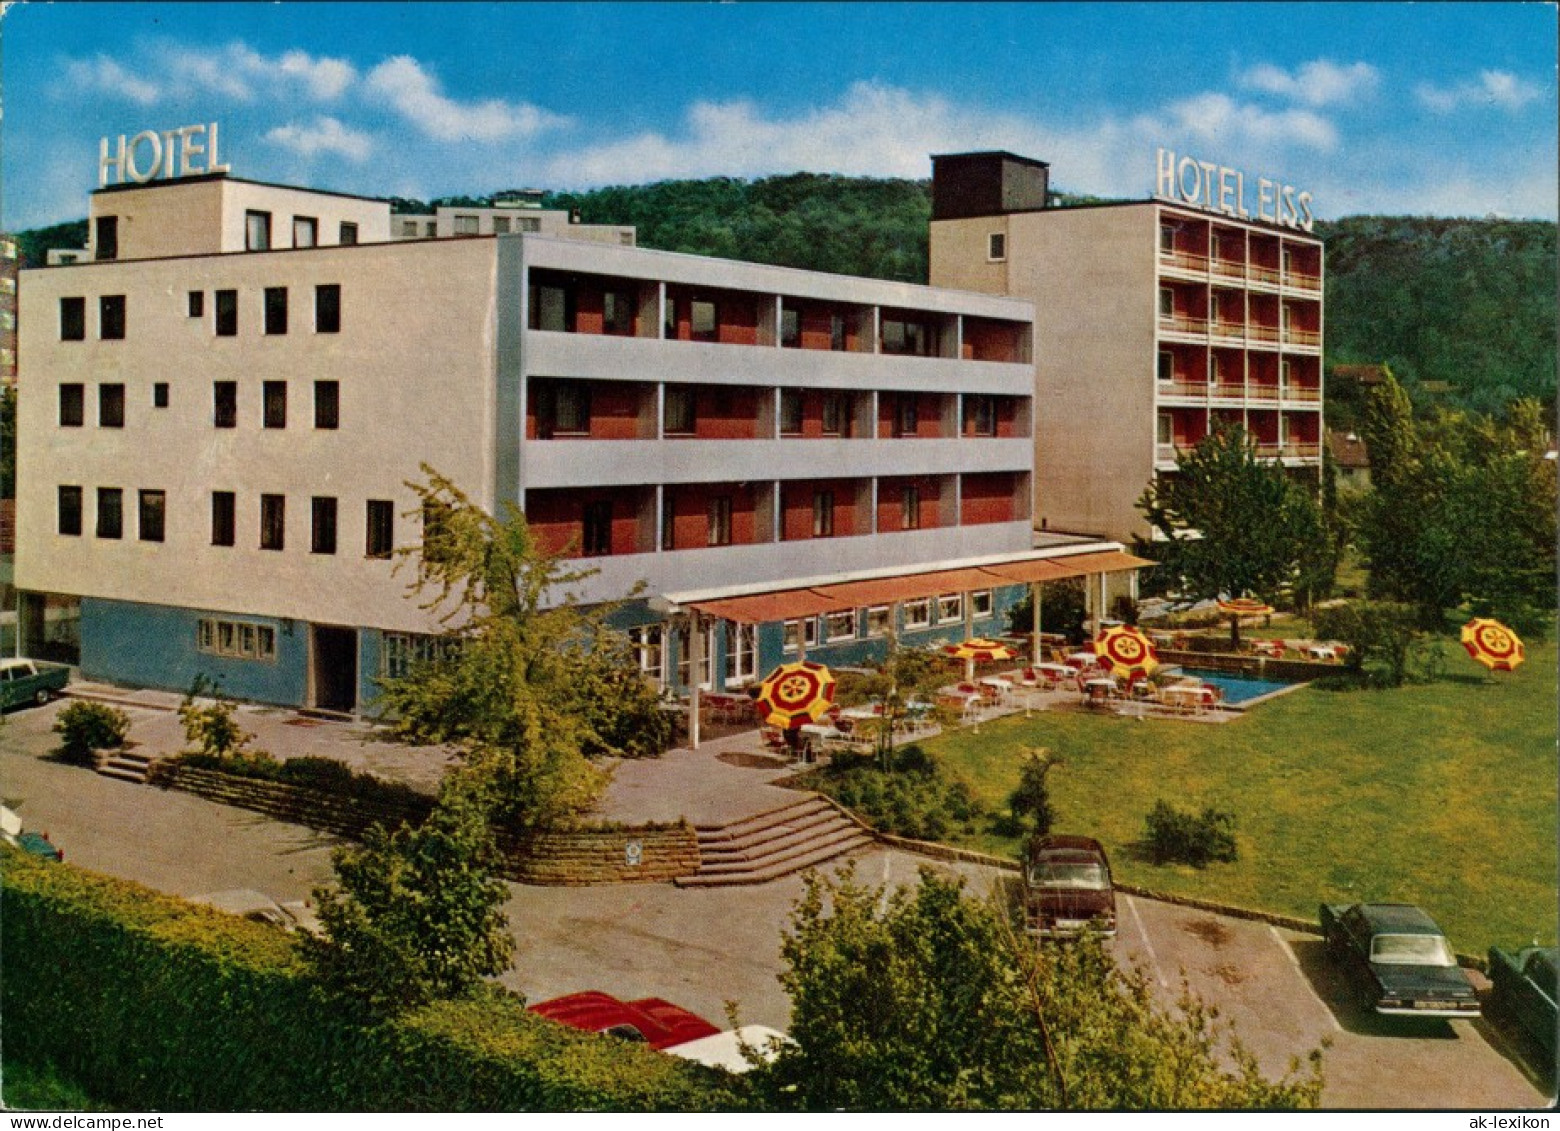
(1442,795)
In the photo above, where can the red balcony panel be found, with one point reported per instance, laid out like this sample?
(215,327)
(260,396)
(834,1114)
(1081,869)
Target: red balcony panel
(928,416)
(734,321)
(689,506)
(992,341)
(892,495)
(557,519)
(614,410)
(989,498)
(726,414)
(801,511)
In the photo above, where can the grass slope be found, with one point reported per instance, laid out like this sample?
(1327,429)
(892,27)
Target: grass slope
(1441,794)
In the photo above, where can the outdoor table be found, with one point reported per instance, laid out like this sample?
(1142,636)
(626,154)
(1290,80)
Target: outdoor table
(1189,695)
(1099,690)
(1082,660)
(1053,673)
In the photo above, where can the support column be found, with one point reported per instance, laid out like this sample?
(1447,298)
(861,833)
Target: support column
(695,658)
(1034,600)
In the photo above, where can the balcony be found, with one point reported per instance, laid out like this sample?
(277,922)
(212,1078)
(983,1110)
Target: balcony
(1256,392)
(1302,449)
(1227,331)
(1259,334)
(1194,390)
(1300,281)
(1229,391)
(1306,339)
(1258,275)
(1228,269)
(1183,324)
(1304,393)
(1184,261)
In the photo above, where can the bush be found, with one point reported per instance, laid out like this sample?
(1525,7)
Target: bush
(1189,838)
(212,728)
(1031,801)
(85,727)
(914,798)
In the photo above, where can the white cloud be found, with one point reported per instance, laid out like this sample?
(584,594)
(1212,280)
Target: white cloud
(1317,83)
(1498,89)
(326,135)
(415,95)
(101,75)
(327,79)
(1218,117)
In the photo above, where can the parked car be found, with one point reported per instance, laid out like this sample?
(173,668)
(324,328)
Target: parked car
(38,844)
(1067,887)
(1523,989)
(258,907)
(724,1050)
(30,681)
(1400,958)
(650,1020)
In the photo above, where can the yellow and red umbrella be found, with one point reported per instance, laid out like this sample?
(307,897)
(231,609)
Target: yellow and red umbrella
(1126,651)
(795,694)
(1493,644)
(978,649)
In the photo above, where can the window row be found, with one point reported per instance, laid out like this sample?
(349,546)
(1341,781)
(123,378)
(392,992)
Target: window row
(305,231)
(379,519)
(649,645)
(225,311)
(878,620)
(224,404)
(243,640)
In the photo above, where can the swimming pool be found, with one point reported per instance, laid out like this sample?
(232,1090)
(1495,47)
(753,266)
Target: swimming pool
(1239,689)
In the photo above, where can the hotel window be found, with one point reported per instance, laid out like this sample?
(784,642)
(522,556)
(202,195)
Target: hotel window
(1166,302)
(1166,370)
(501,225)
(327,404)
(680,419)
(111,318)
(431,229)
(322,527)
(836,414)
(227,314)
(720,520)
(741,654)
(153,511)
(950,607)
(349,233)
(306,231)
(110,512)
(327,308)
(910,507)
(839,626)
(224,530)
(409,228)
(1166,238)
(668,519)
(837,340)
(980,604)
(790,411)
(552,308)
(596,528)
(702,319)
(466,225)
(1215,307)
(790,326)
(257,231)
(907,414)
(274,409)
(685,656)
(918,614)
(197,307)
(530,224)
(111,406)
(381,529)
(801,633)
(564,408)
(69,511)
(1166,429)
(276,310)
(617,312)
(1285,374)
(879,620)
(1215,246)
(73,405)
(73,319)
(823,514)
(903,337)
(648,643)
(273,522)
(996,247)
(980,414)
(159,394)
(241,639)
(224,404)
(106,245)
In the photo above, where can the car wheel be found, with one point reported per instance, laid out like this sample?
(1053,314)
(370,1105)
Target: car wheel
(42,698)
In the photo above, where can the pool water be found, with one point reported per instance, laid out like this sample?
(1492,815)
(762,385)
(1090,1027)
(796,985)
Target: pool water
(1239,689)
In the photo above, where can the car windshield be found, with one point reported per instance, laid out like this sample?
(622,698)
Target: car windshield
(1411,950)
(1050,874)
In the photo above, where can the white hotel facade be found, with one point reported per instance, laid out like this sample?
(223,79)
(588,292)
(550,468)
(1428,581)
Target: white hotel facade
(221,407)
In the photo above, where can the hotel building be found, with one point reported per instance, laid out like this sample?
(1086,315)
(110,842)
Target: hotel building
(223,405)
(1155,322)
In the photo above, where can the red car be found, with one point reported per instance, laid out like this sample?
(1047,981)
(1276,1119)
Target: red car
(650,1020)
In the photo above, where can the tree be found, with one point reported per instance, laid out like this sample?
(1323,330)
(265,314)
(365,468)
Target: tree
(524,681)
(928,999)
(1031,800)
(1235,525)
(1381,635)
(417,915)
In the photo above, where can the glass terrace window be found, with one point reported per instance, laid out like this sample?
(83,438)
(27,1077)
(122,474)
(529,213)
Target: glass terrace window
(790,326)
(702,318)
(257,231)
(680,418)
(596,528)
(73,319)
(790,411)
(571,408)
(910,508)
(981,414)
(907,414)
(720,520)
(823,514)
(618,312)
(836,414)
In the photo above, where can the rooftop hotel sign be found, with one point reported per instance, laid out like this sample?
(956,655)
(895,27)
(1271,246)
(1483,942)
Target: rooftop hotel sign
(1215,188)
(189,151)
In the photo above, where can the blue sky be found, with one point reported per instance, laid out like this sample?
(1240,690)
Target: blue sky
(1423,109)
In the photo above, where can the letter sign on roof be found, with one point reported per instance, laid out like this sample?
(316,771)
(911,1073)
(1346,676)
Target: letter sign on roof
(1215,188)
(152,155)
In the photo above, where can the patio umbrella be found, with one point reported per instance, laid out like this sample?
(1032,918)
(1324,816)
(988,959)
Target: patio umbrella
(979,649)
(1493,644)
(795,694)
(1127,651)
(1237,607)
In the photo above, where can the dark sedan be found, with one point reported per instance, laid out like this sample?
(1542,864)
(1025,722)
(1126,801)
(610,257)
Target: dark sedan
(1401,958)
(1523,989)
(1067,887)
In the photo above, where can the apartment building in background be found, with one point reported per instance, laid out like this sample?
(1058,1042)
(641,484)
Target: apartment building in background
(512,214)
(225,403)
(1155,322)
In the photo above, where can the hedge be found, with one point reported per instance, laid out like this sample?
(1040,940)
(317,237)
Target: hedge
(151,1003)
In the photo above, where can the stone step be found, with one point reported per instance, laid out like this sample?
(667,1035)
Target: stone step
(136,774)
(811,819)
(781,840)
(793,849)
(790,811)
(777,871)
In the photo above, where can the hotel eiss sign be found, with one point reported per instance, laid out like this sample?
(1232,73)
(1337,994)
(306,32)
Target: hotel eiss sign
(1215,188)
(189,151)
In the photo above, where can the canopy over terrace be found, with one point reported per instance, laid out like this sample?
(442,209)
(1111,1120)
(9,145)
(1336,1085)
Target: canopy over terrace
(808,597)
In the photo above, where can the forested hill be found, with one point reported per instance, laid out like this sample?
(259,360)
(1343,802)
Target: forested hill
(1467,303)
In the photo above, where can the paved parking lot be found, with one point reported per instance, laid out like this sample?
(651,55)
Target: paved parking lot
(701,948)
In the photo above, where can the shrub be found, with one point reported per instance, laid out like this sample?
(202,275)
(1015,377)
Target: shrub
(914,798)
(212,729)
(1031,801)
(1190,838)
(85,727)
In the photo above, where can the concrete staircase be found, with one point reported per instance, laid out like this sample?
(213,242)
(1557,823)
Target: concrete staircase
(764,847)
(127,765)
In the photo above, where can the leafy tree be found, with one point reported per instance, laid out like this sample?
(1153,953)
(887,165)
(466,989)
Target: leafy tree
(418,913)
(1063,609)
(928,999)
(1380,634)
(1235,525)
(1031,800)
(526,683)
